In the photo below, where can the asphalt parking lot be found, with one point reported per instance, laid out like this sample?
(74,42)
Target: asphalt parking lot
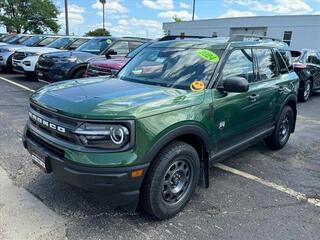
(262,195)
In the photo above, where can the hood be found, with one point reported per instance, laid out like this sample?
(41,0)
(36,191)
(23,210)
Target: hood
(12,47)
(111,98)
(81,56)
(2,44)
(115,64)
(40,50)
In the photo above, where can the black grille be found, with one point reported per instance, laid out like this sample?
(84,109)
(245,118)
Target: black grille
(52,149)
(68,124)
(19,55)
(97,71)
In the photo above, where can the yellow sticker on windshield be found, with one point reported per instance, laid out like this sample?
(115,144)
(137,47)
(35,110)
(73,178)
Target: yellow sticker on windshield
(208,55)
(197,86)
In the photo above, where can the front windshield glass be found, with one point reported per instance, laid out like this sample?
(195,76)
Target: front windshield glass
(95,46)
(46,41)
(31,41)
(8,37)
(171,67)
(22,39)
(13,40)
(61,43)
(77,43)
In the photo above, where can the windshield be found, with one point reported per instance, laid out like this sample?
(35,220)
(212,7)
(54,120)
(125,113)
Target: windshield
(13,40)
(32,40)
(95,46)
(61,43)
(19,40)
(171,67)
(46,41)
(77,43)
(8,37)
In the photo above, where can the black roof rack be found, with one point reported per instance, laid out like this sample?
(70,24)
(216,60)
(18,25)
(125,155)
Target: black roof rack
(173,37)
(241,37)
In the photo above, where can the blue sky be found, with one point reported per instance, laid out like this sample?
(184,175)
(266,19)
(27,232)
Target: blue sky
(145,17)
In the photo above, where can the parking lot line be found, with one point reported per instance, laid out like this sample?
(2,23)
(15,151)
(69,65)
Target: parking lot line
(299,196)
(17,84)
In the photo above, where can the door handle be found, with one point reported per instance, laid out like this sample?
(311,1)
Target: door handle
(253,97)
(281,89)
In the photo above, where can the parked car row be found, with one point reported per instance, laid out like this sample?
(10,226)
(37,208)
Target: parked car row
(62,57)
(58,58)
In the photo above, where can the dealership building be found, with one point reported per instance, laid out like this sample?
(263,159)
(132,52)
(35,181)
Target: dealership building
(299,31)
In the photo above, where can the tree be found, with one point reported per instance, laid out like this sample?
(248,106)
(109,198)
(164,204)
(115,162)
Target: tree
(98,32)
(176,18)
(34,16)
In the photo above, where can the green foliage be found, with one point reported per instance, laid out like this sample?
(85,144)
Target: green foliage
(176,18)
(98,32)
(34,16)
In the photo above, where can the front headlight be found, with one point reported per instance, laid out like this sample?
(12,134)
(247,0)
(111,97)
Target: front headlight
(107,136)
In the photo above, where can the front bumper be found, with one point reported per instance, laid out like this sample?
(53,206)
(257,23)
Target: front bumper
(115,182)
(27,65)
(55,72)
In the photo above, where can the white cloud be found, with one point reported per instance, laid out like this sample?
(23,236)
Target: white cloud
(184,15)
(123,22)
(184,5)
(276,6)
(235,13)
(75,16)
(137,27)
(159,4)
(113,6)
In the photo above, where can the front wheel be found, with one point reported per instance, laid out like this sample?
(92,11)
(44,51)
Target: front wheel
(171,180)
(79,74)
(283,129)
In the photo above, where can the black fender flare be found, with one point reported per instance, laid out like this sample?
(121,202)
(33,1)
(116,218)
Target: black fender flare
(291,97)
(76,68)
(176,133)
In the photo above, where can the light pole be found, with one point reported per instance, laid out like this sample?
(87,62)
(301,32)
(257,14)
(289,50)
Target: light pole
(194,6)
(103,2)
(66,16)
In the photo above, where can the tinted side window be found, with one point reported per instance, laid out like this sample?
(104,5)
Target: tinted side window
(267,66)
(121,47)
(282,65)
(134,45)
(313,59)
(287,57)
(239,64)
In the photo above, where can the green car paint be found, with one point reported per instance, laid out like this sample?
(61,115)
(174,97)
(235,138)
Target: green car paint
(161,112)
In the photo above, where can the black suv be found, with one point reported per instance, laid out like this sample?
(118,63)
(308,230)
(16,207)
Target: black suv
(58,66)
(307,66)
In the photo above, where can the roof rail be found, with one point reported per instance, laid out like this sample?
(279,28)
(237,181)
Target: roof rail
(173,37)
(241,37)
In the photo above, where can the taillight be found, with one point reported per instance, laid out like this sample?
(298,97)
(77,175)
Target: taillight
(299,66)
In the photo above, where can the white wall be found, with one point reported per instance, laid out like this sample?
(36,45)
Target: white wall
(305,28)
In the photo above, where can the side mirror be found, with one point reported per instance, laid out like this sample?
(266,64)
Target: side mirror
(236,84)
(110,52)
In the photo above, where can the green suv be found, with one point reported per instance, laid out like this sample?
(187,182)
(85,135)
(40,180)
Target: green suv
(150,134)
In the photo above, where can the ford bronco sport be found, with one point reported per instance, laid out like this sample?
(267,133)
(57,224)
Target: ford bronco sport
(151,133)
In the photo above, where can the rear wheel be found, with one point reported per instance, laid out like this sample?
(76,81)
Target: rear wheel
(171,180)
(283,129)
(306,91)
